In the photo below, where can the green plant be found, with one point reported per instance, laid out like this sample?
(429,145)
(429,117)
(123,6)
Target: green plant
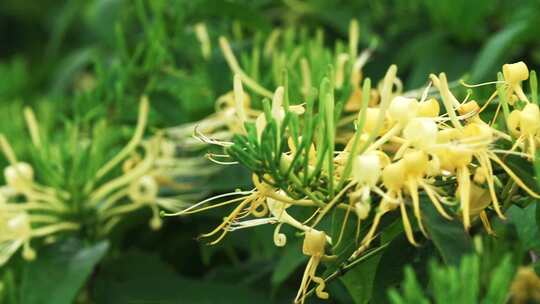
(363,152)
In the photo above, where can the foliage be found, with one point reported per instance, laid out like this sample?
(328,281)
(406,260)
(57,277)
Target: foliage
(457,284)
(83,67)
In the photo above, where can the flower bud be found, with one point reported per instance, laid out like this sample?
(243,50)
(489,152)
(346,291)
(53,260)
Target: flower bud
(469,107)
(260,124)
(530,119)
(429,108)
(421,132)
(362,210)
(393,176)
(19,176)
(370,123)
(416,162)
(367,169)
(513,122)
(403,109)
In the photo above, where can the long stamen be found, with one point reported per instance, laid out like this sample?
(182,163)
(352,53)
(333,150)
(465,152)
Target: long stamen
(343,226)
(193,208)
(464,194)
(331,204)
(484,162)
(305,282)
(197,134)
(511,173)
(226,222)
(485,221)
(479,84)
(235,225)
(54,228)
(412,185)
(433,197)
(407,225)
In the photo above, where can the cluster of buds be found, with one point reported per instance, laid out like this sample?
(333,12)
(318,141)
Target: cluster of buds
(32,207)
(368,151)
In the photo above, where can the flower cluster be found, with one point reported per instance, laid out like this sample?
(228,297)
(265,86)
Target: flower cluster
(366,151)
(34,205)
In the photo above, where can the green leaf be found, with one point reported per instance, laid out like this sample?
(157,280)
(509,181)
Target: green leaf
(359,280)
(495,50)
(144,278)
(389,271)
(290,259)
(524,170)
(537,220)
(449,237)
(501,278)
(59,272)
(524,219)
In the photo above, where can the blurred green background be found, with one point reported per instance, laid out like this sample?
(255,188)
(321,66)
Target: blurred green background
(78,60)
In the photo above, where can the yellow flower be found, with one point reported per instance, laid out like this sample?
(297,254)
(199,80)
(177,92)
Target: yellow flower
(525,287)
(514,74)
(314,247)
(15,232)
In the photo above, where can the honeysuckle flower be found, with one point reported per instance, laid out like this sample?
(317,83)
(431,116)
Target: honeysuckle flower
(514,74)
(250,203)
(30,209)
(16,229)
(393,177)
(314,247)
(428,108)
(384,152)
(421,133)
(462,145)
(525,126)
(402,109)
(20,178)
(15,232)
(407,174)
(367,171)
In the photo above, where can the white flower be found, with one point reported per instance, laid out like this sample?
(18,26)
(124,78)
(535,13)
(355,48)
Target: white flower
(403,109)
(421,132)
(19,176)
(367,169)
